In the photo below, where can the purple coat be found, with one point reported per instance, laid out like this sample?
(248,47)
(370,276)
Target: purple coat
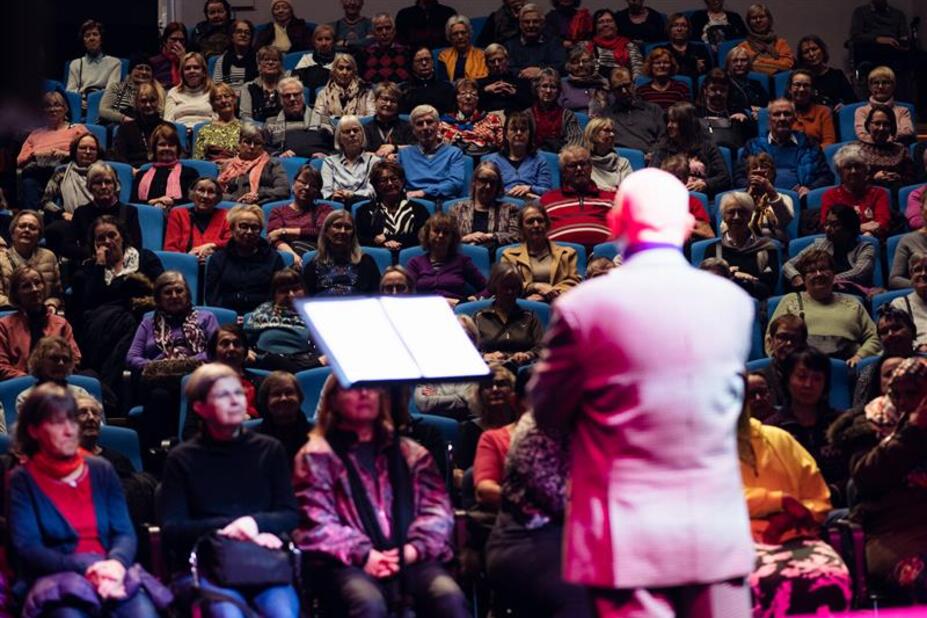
(456,278)
(144,349)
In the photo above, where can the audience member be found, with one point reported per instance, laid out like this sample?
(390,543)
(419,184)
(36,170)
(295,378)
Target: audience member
(879,34)
(286,32)
(896,332)
(187,103)
(117,107)
(525,173)
(501,25)
(610,48)
(678,166)
(260,98)
(608,167)
(485,219)
(495,405)
(568,23)
(294,228)
(384,58)
(424,87)
(600,266)
(786,334)
(67,188)
(239,65)
(104,187)
(831,86)
(577,209)
(130,141)
(229,346)
(754,260)
(581,82)
(386,131)
(294,132)
(279,400)
(882,84)
(166,182)
(434,170)
(217,140)
(390,220)
(871,203)
(26,232)
(94,70)
(640,23)
(201,229)
(638,123)
(713,24)
(532,49)
(213,36)
(344,94)
(555,126)
(442,269)
(662,89)
(353,30)
(252,176)
(889,161)
(708,172)
(472,130)
(508,333)
(340,268)
(915,303)
(747,93)
(314,68)
(462,60)
(51,360)
(774,210)
(768,52)
(502,90)
(758,396)
(422,24)
(346,176)
(814,120)
(728,125)
(174,46)
(692,60)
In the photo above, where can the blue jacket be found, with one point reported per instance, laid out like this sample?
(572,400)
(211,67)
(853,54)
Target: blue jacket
(44,542)
(811,166)
(533,171)
(439,175)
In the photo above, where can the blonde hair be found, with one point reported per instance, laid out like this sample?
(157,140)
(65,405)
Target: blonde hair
(207,80)
(593,128)
(237,212)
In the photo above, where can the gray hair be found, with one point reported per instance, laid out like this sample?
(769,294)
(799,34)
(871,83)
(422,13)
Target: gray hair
(349,119)
(494,48)
(453,21)
(100,168)
(346,58)
(851,153)
(916,258)
(736,198)
(249,130)
(289,81)
(571,149)
(781,100)
(423,110)
(380,16)
(530,7)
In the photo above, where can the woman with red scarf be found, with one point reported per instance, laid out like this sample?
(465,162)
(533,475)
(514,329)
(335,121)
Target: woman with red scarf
(166,182)
(253,177)
(470,129)
(555,126)
(166,65)
(610,48)
(569,23)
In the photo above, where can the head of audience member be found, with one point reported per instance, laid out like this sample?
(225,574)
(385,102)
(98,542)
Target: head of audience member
(279,398)
(800,88)
(885,368)
(599,136)
(147,102)
(172,294)
(486,187)
(174,40)
(818,268)
(26,230)
(292,99)
(576,169)
(605,25)
(388,180)
(282,12)
(518,135)
(458,31)
(242,36)
(164,144)
(109,240)
(547,88)
(736,211)
(530,22)
(250,142)
(598,267)
(678,28)
(917,268)
(285,287)
(716,266)
(140,69)
(813,53)
(787,333)
(245,223)
(205,193)
(217,396)
(217,12)
(396,281)
(89,421)
(307,187)
(386,96)
(534,224)
(677,165)
(384,30)
(497,59)
(51,360)
(841,226)
(91,35)
(323,43)
(496,404)
(759,167)
(682,125)
(852,168)
(56,110)
(47,424)
(103,184)
(714,6)
(365,412)
(660,65)
(28,291)
(229,346)
(352,8)
(223,101)
(505,285)
(194,76)
(759,19)
(908,385)
(715,91)
(621,86)
(424,119)
(897,332)
(344,70)
(270,64)
(440,236)
(338,239)
(738,63)
(467,95)
(781,119)
(423,64)
(881,124)
(882,84)
(759,396)
(806,379)
(580,64)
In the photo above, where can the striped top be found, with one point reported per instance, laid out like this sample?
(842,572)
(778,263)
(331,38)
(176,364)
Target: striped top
(578,217)
(676,92)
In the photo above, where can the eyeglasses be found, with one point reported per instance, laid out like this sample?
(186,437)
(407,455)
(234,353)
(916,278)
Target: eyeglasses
(268,61)
(251,141)
(249,227)
(242,31)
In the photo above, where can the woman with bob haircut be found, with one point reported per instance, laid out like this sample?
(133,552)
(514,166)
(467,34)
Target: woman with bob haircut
(442,269)
(340,268)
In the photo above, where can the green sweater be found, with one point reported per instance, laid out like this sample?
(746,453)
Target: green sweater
(842,321)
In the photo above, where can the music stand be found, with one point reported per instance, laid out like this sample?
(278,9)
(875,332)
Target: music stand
(389,342)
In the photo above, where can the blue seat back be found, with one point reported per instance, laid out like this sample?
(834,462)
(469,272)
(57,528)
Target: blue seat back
(291,166)
(291,59)
(476,27)
(311,382)
(203,168)
(124,173)
(829,152)
(797,245)
(553,164)
(756,334)
(885,298)
(9,389)
(728,158)
(814,197)
(635,158)
(479,256)
(93,106)
(447,428)
(195,132)
(607,250)
(582,119)
(188,265)
(151,220)
(124,441)
(541,310)
(698,249)
(891,247)
(780,81)
(724,47)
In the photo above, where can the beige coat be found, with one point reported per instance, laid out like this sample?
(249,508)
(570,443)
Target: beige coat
(42,260)
(563,273)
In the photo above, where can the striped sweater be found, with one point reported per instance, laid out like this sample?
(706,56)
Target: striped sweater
(578,217)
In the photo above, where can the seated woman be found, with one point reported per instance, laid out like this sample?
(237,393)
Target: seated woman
(884,442)
(217,140)
(390,220)
(212,36)
(831,86)
(67,188)
(729,126)
(610,48)
(882,84)
(547,268)
(581,82)
(554,125)
(396,281)
(502,90)
(275,331)
(493,405)
(52,360)
(608,167)
(386,132)
(812,119)
(167,182)
(287,32)
(295,227)
(774,211)
(314,68)
(662,89)
(239,64)
(889,161)
(174,44)
(856,260)
(229,346)
(259,97)
(346,175)
(168,344)
(442,270)
(350,451)
(713,24)
(913,209)
(490,460)
(130,142)
(568,24)
(238,275)
(746,92)
(507,333)
(693,60)
(340,268)
(788,502)
(117,107)
(202,229)
(474,131)
(768,53)
(95,70)
(707,171)
(754,261)
(279,400)
(26,230)
(230,480)
(70,239)
(525,173)
(344,94)
(838,325)
(462,60)
(871,203)
(253,177)
(46,148)
(910,245)
(484,219)
(32,317)
(897,331)
(62,489)
(187,103)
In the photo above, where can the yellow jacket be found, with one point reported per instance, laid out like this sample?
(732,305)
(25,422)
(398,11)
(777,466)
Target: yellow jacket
(474,67)
(783,468)
(563,272)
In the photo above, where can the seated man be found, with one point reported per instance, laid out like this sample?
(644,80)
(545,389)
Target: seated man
(288,134)
(502,89)
(531,50)
(879,34)
(434,170)
(786,334)
(424,87)
(422,24)
(578,209)
(639,124)
(384,59)
(800,162)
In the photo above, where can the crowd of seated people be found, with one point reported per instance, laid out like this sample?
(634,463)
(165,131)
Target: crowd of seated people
(416,154)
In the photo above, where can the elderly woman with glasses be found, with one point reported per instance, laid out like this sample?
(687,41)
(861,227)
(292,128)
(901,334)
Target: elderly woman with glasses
(238,65)
(67,188)
(461,59)
(525,173)
(344,94)
(882,84)
(754,260)
(485,219)
(346,175)
(26,231)
(555,126)
(474,131)
(253,177)
(390,220)
(202,229)
(259,98)
(870,202)
(295,227)
(217,140)
(104,187)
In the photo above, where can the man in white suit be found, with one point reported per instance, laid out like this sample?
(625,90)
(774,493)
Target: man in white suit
(643,367)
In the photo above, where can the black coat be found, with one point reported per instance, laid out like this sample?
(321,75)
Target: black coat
(241,283)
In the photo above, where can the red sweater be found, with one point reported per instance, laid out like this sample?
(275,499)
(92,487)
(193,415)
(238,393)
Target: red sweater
(75,504)
(491,450)
(872,207)
(182,235)
(578,217)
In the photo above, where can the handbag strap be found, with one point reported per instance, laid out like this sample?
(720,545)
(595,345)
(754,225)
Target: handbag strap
(801,306)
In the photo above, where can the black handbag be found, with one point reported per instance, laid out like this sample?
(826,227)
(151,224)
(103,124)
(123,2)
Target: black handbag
(231,563)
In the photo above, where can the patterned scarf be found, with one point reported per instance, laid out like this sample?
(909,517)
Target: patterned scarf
(763,43)
(173,190)
(547,123)
(195,338)
(341,101)
(238,166)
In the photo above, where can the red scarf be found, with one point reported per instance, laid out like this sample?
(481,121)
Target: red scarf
(617,45)
(55,467)
(546,123)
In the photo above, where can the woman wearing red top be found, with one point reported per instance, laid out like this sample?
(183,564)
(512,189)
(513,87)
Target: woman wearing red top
(870,202)
(662,89)
(295,228)
(610,48)
(493,446)
(202,229)
(69,524)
